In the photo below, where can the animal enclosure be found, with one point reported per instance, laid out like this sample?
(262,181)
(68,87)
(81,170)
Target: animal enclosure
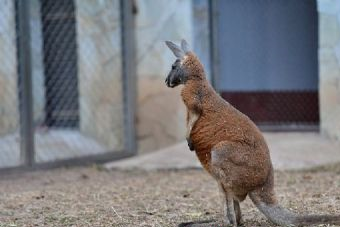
(66,82)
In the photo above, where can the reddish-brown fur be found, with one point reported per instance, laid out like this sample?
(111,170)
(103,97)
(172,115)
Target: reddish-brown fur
(219,121)
(232,149)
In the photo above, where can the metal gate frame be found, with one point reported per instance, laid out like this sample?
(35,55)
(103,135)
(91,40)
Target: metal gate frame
(27,146)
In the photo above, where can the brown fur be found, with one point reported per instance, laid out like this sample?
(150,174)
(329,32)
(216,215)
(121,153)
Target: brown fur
(232,149)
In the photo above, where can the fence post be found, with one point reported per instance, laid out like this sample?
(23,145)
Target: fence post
(129,72)
(25,84)
(214,52)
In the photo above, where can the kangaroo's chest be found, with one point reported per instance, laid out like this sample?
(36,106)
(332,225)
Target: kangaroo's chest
(192,117)
(204,139)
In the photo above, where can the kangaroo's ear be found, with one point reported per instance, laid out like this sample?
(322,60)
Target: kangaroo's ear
(178,52)
(185,46)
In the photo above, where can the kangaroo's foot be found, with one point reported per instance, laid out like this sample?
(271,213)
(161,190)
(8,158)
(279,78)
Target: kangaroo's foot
(190,144)
(205,223)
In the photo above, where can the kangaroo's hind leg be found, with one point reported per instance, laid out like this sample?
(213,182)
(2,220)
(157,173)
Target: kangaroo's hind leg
(227,169)
(238,212)
(229,204)
(230,211)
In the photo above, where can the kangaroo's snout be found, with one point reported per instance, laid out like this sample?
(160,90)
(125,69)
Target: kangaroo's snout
(173,80)
(167,82)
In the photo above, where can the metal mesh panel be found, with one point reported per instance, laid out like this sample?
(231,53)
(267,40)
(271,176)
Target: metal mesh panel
(60,63)
(63,95)
(268,66)
(297,109)
(83,110)
(9,89)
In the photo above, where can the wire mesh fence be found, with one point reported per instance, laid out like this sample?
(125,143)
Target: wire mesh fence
(274,79)
(9,83)
(67,94)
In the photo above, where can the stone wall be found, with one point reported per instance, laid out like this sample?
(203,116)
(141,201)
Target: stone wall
(161,114)
(99,71)
(9,102)
(329,67)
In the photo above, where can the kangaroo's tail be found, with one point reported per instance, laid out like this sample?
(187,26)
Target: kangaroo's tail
(265,200)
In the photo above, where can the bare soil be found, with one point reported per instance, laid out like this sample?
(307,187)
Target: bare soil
(90,196)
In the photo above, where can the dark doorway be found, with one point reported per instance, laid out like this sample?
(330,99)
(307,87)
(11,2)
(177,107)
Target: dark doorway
(60,63)
(268,62)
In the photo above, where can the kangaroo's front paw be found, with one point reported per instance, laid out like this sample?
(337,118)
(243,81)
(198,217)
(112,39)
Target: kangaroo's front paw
(190,144)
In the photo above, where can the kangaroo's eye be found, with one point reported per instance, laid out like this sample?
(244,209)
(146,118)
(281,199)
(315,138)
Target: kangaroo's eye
(173,67)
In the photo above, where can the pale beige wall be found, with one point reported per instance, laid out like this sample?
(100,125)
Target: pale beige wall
(100,73)
(329,67)
(161,114)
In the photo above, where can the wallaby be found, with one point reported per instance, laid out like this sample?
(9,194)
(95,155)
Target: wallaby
(229,146)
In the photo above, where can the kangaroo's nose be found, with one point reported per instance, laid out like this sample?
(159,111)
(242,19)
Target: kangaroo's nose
(167,81)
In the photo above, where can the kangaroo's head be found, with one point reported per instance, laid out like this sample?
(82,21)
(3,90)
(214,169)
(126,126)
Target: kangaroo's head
(186,67)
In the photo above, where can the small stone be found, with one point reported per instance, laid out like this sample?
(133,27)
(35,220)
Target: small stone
(186,195)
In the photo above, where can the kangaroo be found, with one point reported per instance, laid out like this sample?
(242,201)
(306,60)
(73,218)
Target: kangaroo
(230,147)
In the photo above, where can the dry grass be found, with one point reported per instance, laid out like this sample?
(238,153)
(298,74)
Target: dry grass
(92,197)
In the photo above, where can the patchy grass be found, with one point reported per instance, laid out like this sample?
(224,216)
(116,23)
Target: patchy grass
(93,197)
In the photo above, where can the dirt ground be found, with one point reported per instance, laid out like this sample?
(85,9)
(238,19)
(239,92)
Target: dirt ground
(90,196)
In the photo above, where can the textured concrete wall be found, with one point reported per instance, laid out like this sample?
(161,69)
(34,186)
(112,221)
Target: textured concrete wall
(9,114)
(161,114)
(99,71)
(329,66)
